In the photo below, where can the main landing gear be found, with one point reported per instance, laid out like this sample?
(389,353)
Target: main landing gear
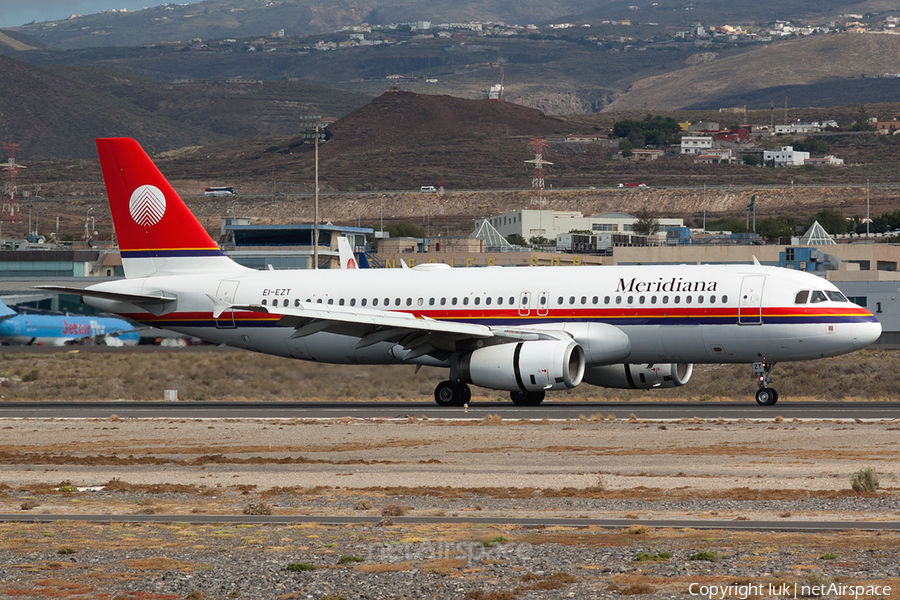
(765,396)
(452,393)
(521,398)
(457,393)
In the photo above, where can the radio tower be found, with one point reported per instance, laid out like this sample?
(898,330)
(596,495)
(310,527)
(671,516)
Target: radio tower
(537,180)
(12,170)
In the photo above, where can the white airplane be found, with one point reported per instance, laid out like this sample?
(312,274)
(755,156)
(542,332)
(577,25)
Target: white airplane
(524,330)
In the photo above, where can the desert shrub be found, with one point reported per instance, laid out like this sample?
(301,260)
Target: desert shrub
(598,487)
(349,558)
(637,530)
(393,510)
(66,550)
(706,555)
(816,580)
(648,557)
(301,567)
(258,508)
(362,505)
(828,556)
(864,480)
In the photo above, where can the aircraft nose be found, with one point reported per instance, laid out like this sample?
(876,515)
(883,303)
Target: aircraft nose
(865,334)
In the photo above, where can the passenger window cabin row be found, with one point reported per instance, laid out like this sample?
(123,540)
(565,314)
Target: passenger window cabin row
(511,301)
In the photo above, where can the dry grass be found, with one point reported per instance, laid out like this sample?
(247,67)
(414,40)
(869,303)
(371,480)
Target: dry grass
(218,374)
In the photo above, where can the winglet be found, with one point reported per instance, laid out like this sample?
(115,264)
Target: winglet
(345,253)
(756,261)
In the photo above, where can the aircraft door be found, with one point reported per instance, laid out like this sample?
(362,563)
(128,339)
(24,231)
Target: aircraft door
(543,306)
(226,293)
(524,304)
(750,301)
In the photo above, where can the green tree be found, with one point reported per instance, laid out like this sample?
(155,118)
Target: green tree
(651,131)
(862,120)
(734,225)
(625,148)
(404,230)
(751,159)
(831,221)
(811,145)
(773,228)
(516,240)
(646,224)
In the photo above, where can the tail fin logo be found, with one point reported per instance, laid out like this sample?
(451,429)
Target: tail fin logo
(147,205)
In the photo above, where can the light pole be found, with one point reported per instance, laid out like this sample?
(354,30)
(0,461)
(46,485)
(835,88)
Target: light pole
(311,129)
(382,213)
(867,209)
(87,218)
(704,208)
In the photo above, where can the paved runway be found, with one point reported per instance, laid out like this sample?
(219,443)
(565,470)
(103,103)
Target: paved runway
(545,522)
(506,410)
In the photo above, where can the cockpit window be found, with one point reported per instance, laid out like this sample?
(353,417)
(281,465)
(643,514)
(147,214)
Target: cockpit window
(817,296)
(801,297)
(836,296)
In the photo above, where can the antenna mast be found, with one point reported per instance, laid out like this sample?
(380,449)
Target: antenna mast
(537,180)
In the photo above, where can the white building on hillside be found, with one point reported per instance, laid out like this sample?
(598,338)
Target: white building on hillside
(786,156)
(696,144)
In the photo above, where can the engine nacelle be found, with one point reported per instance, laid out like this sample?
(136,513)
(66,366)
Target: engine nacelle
(530,366)
(640,377)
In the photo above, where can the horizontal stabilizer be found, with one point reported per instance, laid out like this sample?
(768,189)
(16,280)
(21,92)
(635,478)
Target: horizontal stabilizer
(152,303)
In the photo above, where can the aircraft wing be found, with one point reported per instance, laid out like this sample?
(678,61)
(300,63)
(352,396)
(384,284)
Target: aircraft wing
(418,335)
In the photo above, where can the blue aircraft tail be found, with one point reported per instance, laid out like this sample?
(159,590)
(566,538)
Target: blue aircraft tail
(6,311)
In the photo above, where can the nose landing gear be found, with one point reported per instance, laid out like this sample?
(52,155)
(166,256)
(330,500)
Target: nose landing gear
(765,396)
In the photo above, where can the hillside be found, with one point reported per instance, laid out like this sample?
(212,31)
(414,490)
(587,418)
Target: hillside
(403,140)
(218,19)
(58,111)
(54,116)
(836,62)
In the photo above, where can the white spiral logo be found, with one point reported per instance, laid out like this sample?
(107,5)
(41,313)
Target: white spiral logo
(147,205)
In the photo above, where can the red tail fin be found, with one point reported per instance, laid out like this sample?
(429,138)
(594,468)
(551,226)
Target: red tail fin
(157,232)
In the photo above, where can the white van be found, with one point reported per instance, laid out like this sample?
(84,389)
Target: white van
(428,189)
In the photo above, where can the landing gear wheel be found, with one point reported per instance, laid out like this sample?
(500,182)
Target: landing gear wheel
(766,396)
(452,393)
(521,398)
(762,371)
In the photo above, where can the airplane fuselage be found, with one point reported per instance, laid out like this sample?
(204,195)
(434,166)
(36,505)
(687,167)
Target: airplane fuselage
(684,314)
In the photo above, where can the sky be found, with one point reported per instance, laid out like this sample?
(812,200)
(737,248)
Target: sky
(19,12)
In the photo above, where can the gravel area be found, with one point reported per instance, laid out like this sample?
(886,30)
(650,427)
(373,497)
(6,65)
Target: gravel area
(641,472)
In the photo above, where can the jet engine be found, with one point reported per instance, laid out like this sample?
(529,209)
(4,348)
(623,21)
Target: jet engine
(640,377)
(529,366)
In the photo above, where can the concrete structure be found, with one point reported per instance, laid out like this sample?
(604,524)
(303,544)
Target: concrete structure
(550,224)
(716,156)
(798,127)
(786,156)
(285,246)
(691,144)
(644,155)
(829,161)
